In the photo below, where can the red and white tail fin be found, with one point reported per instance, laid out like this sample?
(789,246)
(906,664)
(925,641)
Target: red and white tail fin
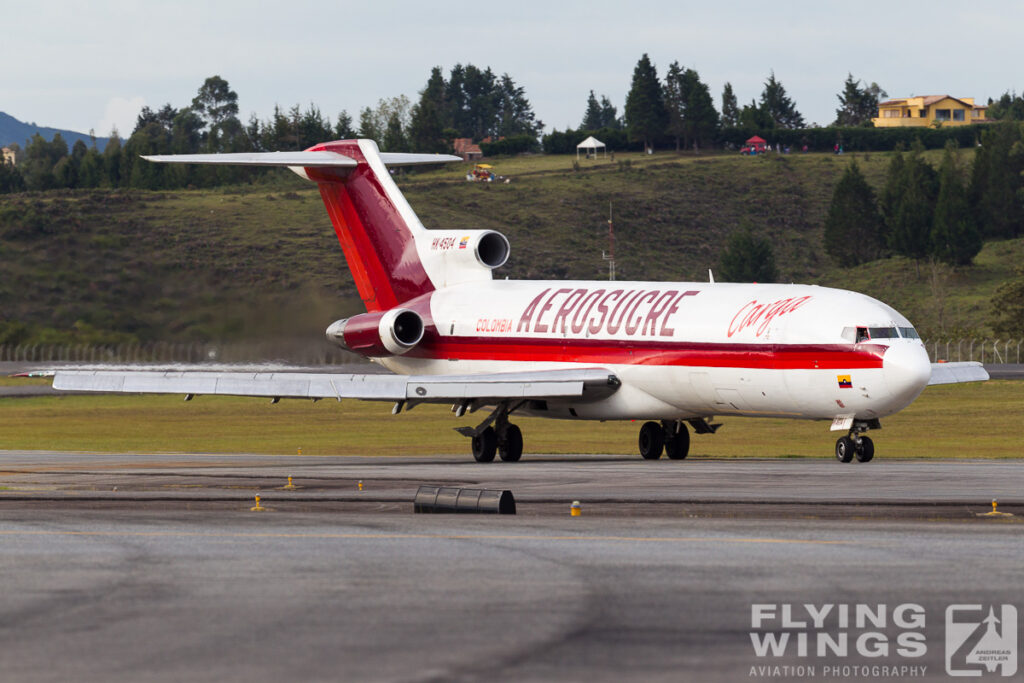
(376,226)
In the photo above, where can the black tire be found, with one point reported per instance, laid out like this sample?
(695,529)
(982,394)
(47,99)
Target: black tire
(510,448)
(485,445)
(677,447)
(845,449)
(865,450)
(651,441)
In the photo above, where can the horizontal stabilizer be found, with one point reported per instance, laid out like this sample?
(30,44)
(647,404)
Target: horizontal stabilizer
(298,159)
(951,373)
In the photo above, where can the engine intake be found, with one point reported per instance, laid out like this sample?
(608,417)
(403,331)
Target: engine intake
(387,333)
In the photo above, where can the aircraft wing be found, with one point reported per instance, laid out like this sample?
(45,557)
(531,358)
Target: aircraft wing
(951,373)
(582,384)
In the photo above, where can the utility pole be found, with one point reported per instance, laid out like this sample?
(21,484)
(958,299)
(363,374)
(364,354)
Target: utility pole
(609,255)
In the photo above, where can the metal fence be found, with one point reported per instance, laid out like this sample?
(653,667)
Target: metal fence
(305,353)
(297,353)
(983,350)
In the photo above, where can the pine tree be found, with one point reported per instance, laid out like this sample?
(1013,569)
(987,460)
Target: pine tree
(889,202)
(997,183)
(853,227)
(911,233)
(609,114)
(646,117)
(676,98)
(778,106)
(747,258)
(955,237)
(343,128)
(858,105)
(426,130)
(702,118)
(592,118)
(730,109)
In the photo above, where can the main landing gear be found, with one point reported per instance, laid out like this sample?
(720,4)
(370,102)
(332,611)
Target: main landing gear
(670,437)
(856,446)
(503,438)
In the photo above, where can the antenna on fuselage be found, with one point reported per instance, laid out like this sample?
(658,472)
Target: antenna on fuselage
(609,255)
(711,276)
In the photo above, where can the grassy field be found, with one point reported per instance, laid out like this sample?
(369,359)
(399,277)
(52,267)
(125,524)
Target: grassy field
(978,420)
(262,260)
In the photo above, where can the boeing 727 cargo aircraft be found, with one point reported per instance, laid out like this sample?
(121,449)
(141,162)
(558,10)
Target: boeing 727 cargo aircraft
(670,353)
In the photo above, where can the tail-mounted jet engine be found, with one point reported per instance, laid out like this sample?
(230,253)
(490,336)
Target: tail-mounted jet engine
(384,333)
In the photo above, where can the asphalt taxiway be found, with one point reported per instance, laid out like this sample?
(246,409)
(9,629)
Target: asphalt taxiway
(152,567)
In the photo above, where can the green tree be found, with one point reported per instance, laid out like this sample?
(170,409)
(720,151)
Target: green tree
(997,184)
(858,105)
(701,117)
(216,102)
(394,135)
(343,128)
(955,236)
(90,173)
(10,177)
(1009,107)
(41,158)
(754,116)
(646,118)
(747,258)
(426,128)
(778,107)
(112,160)
(853,226)
(515,114)
(609,115)
(910,235)
(592,116)
(677,93)
(730,109)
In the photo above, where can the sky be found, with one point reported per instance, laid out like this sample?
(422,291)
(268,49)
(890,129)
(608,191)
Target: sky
(83,66)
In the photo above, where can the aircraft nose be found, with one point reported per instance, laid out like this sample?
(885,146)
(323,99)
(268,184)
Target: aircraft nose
(907,371)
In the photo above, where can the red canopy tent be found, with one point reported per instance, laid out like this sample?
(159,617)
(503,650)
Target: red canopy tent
(756,145)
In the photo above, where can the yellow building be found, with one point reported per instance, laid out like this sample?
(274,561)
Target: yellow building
(8,156)
(929,110)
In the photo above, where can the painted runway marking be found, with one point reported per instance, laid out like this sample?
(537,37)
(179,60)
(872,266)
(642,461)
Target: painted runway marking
(453,537)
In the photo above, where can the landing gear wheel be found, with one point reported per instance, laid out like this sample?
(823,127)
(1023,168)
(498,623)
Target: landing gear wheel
(677,446)
(485,445)
(510,448)
(845,449)
(865,450)
(652,441)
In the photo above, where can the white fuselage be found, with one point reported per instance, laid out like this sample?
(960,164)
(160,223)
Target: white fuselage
(682,350)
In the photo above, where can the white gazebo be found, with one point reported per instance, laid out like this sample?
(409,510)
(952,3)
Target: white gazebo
(590,146)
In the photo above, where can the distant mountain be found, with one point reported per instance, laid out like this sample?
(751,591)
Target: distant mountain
(13,130)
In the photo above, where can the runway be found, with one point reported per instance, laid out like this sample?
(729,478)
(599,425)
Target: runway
(171,577)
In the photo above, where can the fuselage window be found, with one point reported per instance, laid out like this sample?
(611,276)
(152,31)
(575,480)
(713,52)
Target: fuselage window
(909,333)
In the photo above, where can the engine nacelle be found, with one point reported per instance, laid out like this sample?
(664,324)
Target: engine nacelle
(385,333)
(455,256)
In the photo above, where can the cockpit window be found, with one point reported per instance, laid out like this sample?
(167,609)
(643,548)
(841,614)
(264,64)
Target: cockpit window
(909,333)
(883,332)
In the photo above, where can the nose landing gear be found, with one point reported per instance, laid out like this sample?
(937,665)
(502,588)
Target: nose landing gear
(855,445)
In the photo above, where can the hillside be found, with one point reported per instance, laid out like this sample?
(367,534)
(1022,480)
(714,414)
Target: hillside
(262,260)
(13,130)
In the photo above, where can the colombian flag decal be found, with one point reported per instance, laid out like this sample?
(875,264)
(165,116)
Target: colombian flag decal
(463,242)
(844,382)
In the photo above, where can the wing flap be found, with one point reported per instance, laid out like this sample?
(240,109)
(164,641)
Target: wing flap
(952,373)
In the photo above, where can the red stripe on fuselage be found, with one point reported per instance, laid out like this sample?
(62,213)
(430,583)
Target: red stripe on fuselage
(626,352)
